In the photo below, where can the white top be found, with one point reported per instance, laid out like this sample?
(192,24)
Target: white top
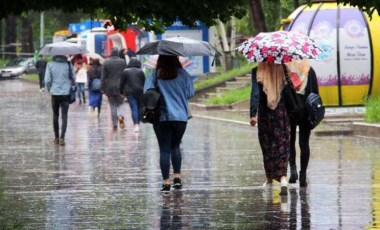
(81,76)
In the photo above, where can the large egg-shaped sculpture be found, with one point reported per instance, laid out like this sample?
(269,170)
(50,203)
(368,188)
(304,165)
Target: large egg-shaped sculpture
(349,70)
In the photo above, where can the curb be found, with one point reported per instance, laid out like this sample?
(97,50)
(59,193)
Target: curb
(366,129)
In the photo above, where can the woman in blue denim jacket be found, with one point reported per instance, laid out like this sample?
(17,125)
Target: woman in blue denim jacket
(176,87)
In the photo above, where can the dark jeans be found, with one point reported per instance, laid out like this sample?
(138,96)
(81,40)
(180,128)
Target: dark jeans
(169,135)
(63,103)
(41,76)
(134,104)
(304,137)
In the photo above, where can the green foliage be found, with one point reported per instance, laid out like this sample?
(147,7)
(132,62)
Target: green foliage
(231,96)
(32,77)
(153,15)
(372,113)
(3,62)
(224,76)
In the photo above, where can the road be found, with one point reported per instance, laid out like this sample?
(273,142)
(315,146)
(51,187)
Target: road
(105,179)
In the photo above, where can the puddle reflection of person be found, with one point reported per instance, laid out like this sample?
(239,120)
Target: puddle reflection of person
(276,210)
(171,213)
(305,213)
(304,209)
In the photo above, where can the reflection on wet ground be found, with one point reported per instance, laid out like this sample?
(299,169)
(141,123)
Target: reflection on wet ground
(104,179)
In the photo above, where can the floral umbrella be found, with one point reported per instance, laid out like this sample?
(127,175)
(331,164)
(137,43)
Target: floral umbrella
(279,47)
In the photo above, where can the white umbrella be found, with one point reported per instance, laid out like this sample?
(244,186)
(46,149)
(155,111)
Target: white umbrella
(62,48)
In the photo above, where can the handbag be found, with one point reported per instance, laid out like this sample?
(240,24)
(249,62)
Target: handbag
(315,109)
(73,88)
(293,102)
(96,85)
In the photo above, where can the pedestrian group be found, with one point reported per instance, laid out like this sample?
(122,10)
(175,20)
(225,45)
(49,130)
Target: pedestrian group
(117,80)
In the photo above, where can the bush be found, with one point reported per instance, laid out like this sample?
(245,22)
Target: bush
(372,113)
(224,76)
(231,96)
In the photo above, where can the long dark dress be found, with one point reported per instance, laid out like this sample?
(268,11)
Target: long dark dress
(273,131)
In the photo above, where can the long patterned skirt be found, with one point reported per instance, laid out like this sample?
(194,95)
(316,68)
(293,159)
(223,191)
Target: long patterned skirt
(274,138)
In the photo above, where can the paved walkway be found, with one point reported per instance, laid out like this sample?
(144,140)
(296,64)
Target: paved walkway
(104,179)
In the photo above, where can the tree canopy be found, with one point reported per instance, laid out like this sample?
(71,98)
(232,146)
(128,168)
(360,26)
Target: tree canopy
(154,14)
(151,14)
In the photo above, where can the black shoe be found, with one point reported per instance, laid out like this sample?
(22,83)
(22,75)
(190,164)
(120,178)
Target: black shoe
(303,182)
(293,175)
(165,188)
(177,183)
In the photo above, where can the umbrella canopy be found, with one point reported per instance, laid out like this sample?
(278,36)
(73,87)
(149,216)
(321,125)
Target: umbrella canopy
(279,47)
(179,46)
(151,62)
(62,48)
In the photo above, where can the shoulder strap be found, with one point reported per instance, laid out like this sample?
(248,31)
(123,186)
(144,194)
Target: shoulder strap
(70,74)
(156,79)
(287,76)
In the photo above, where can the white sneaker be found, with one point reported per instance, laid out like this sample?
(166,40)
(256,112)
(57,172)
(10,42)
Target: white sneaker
(136,129)
(284,186)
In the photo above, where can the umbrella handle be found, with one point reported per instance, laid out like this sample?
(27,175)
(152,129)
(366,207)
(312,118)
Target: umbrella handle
(287,75)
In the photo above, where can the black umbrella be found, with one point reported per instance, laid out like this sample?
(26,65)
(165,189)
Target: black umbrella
(179,46)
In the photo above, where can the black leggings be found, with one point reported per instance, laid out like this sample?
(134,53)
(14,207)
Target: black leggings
(63,103)
(304,136)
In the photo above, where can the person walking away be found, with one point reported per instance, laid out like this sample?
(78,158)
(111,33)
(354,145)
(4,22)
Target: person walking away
(176,87)
(81,79)
(41,67)
(59,77)
(267,109)
(132,87)
(305,82)
(112,70)
(94,95)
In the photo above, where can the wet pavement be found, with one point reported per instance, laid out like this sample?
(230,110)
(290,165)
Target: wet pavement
(104,179)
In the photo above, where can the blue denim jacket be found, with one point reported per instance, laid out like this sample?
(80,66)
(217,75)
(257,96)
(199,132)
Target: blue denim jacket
(176,93)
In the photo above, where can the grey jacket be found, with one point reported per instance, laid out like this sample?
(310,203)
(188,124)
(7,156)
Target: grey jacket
(112,70)
(57,76)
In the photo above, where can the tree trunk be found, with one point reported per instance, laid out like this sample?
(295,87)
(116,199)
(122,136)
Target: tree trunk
(226,47)
(27,35)
(10,36)
(1,39)
(233,36)
(257,16)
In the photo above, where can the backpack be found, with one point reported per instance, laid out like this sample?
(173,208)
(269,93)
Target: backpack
(96,84)
(150,106)
(315,110)
(151,102)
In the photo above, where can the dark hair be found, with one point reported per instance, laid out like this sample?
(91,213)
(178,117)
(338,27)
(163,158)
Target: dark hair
(96,62)
(167,66)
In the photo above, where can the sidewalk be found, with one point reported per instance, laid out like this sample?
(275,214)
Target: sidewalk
(104,179)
